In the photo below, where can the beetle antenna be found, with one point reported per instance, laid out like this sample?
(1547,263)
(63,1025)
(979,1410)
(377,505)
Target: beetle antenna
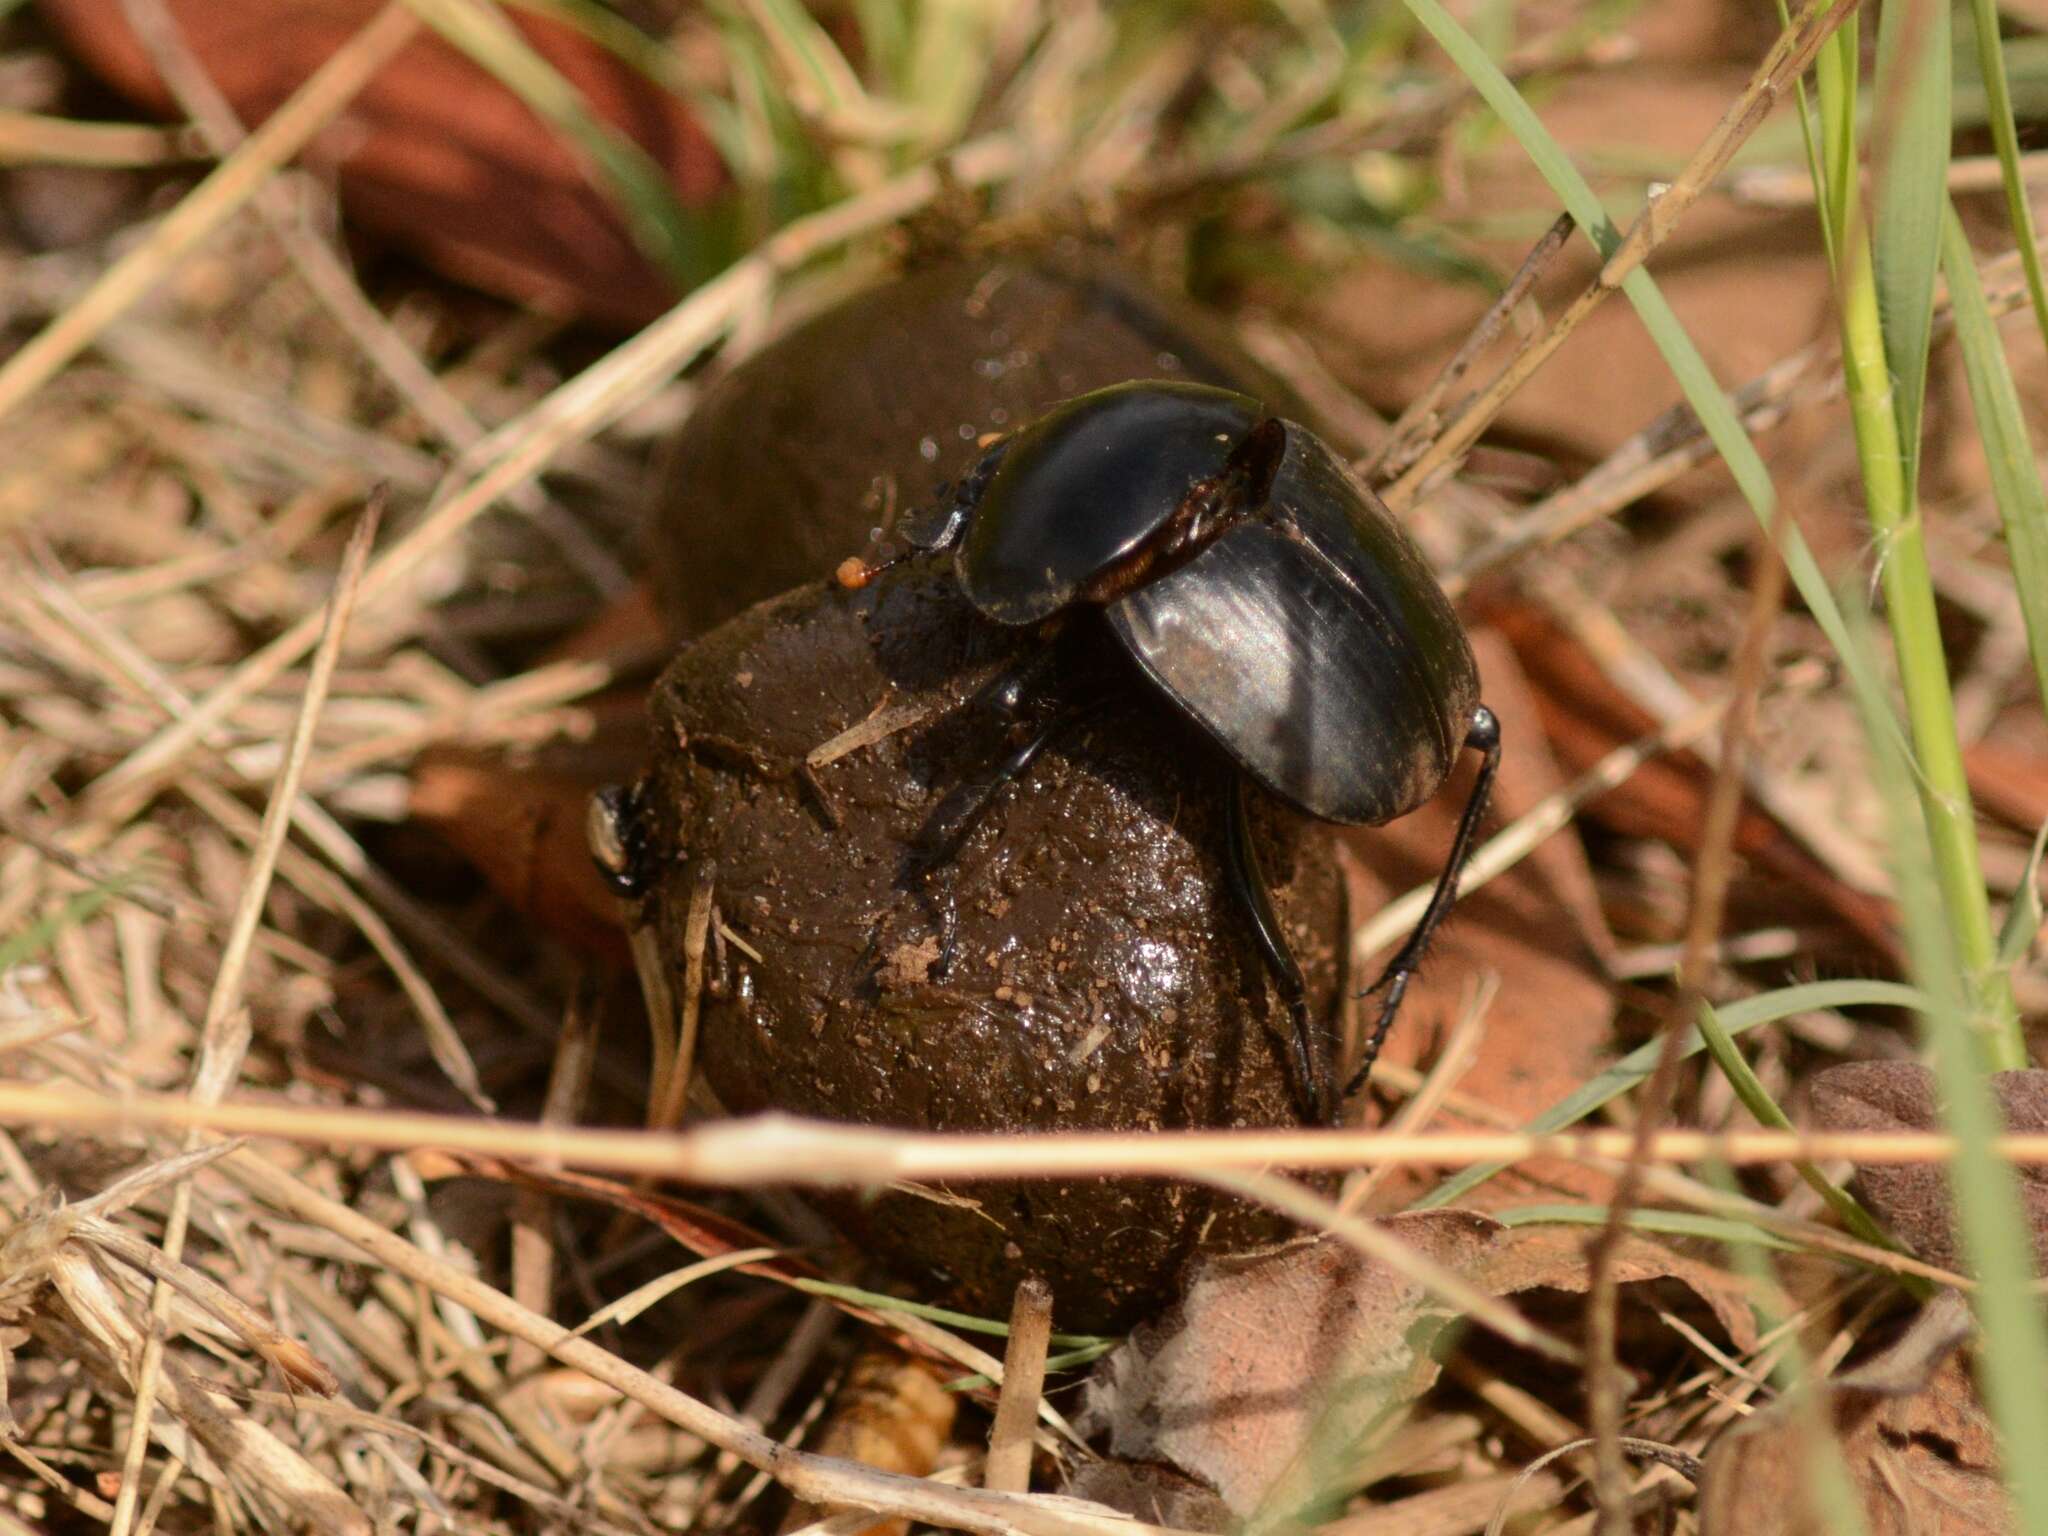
(1483,737)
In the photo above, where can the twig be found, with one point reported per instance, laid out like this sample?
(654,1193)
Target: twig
(1419,419)
(1713,871)
(1011,1437)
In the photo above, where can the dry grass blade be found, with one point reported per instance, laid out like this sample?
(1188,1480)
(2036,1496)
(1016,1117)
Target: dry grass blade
(815,1479)
(782,1149)
(287,132)
(224,1033)
(1419,419)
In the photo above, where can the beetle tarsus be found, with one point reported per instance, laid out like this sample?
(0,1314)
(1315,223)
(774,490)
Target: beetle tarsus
(1308,1056)
(1483,737)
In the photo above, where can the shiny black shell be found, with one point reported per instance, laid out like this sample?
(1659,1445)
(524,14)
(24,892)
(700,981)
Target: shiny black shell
(1315,646)
(1085,485)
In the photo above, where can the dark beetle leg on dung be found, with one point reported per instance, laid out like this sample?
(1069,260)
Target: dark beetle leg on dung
(1021,698)
(1313,1077)
(1483,737)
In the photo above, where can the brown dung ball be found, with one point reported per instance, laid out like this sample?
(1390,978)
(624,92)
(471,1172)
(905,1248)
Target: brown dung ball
(1104,976)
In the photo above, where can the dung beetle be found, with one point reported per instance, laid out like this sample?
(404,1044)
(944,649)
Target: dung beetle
(1262,587)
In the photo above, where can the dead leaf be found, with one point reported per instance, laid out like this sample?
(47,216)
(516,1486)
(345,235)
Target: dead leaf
(1553,1258)
(1914,1439)
(1913,1200)
(1276,1362)
(523,829)
(1147,1491)
(1264,1378)
(2010,783)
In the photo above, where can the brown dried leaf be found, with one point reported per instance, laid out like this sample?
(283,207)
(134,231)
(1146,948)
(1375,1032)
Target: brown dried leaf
(1275,1362)
(1265,1377)
(523,828)
(2010,783)
(1553,1258)
(1149,1492)
(1915,1441)
(1913,1200)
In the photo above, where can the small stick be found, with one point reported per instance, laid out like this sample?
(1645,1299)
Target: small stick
(533,1241)
(1401,446)
(665,1110)
(1010,1439)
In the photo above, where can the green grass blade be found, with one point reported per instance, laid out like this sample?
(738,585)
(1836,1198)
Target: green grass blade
(1910,191)
(1757,1100)
(39,935)
(965,1322)
(1718,1229)
(684,247)
(1737,1018)
(1998,116)
(1993,1223)
(2002,428)
(1834,73)
(1908,585)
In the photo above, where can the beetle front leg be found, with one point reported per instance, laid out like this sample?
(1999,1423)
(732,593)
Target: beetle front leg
(1308,1052)
(1482,737)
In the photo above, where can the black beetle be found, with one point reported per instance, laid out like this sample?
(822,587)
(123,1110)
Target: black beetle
(1269,593)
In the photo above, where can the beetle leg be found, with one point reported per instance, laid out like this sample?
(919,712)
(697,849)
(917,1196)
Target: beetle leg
(1483,737)
(1309,1051)
(1021,698)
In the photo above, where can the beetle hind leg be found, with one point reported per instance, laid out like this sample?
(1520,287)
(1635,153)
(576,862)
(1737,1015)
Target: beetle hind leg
(1483,737)
(1308,1050)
